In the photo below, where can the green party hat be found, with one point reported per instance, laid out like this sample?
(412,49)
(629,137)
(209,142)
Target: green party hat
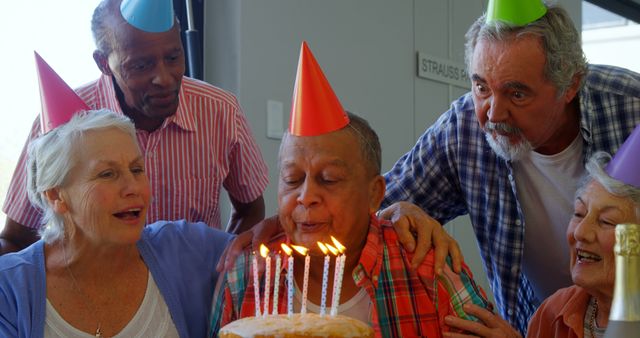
(515,12)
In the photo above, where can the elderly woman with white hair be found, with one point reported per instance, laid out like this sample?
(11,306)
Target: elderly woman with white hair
(98,271)
(602,202)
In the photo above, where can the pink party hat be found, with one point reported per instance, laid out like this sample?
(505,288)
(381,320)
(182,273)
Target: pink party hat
(152,16)
(59,101)
(315,108)
(625,165)
(515,12)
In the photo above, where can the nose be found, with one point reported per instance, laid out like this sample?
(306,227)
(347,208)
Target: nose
(308,196)
(132,185)
(583,231)
(497,110)
(163,76)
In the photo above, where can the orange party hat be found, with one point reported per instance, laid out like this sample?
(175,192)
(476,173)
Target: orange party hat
(59,101)
(315,109)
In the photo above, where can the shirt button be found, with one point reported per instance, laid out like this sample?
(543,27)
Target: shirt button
(510,312)
(518,222)
(510,177)
(514,269)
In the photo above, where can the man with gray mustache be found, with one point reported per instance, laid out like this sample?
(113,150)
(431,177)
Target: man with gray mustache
(510,154)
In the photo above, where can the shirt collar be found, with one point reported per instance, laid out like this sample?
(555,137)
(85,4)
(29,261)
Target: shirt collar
(370,263)
(572,311)
(181,118)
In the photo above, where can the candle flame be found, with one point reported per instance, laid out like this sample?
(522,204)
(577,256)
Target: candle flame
(286,249)
(333,250)
(338,245)
(300,249)
(264,251)
(323,248)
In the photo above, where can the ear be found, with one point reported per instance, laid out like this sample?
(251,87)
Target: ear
(102,61)
(377,187)
(54,198)
(572,90)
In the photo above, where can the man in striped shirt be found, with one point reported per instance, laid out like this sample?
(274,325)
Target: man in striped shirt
(194,137)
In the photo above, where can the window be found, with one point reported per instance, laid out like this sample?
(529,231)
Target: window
(605,35)
(60,31)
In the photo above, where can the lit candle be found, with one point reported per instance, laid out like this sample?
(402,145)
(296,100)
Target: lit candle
(276,284)
(305,284)
(337,287)
(264,252)
(325,277)
(287,250)
(256,284)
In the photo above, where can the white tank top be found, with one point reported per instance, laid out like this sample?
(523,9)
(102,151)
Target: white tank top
(151,320)
(546,187)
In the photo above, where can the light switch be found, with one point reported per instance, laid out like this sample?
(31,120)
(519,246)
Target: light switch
(275,119)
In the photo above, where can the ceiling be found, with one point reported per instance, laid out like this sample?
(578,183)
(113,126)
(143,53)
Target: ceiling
(629,9)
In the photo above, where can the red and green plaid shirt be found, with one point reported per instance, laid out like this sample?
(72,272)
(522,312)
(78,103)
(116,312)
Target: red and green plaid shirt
(405,303)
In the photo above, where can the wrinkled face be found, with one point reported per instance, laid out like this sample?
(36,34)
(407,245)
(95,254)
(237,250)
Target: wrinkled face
(324,189)
(515,104)
(591,236)
(148,69)
(106,195)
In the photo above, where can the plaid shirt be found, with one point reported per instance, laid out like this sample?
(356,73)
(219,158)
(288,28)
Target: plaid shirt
(452,171)
(405,303)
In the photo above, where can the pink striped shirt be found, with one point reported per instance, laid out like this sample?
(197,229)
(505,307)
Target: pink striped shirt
(206,145)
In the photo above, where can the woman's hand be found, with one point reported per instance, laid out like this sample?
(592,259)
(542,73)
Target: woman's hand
(490,325)
(417,232)
(259,233)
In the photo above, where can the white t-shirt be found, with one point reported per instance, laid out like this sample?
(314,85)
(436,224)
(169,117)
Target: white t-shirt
(358,307)
(546,187)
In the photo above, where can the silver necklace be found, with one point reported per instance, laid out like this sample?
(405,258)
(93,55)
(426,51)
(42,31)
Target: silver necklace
(77,287)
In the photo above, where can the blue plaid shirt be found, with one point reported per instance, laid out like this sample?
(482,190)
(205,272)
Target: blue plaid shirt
(452,171)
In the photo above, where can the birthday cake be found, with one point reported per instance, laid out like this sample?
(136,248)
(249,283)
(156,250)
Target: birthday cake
(296,325)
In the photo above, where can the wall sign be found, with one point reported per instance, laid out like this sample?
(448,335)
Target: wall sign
(442,70)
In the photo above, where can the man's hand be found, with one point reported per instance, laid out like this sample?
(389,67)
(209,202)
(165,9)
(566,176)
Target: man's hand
(410,222)
(491,325)
(15,237)
(259,233)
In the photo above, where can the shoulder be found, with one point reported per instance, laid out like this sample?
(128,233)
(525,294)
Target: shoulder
(455,125)
(202,90)
(22,280)
(182,230)
(27,260)
(562,303)
(612,80)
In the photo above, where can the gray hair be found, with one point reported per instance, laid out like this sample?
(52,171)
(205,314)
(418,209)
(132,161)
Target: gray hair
(50,159)
(369,143)
(102,29)
(560,40)
(596,171)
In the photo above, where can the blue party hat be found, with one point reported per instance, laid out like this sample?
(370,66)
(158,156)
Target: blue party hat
(152,16)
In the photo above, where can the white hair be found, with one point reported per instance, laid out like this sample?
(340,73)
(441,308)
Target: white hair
(50,159)
(596,171)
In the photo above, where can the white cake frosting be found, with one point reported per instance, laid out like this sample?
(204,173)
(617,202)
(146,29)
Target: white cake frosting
(307,325)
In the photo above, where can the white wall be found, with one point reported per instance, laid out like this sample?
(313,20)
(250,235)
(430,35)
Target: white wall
(368,51)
